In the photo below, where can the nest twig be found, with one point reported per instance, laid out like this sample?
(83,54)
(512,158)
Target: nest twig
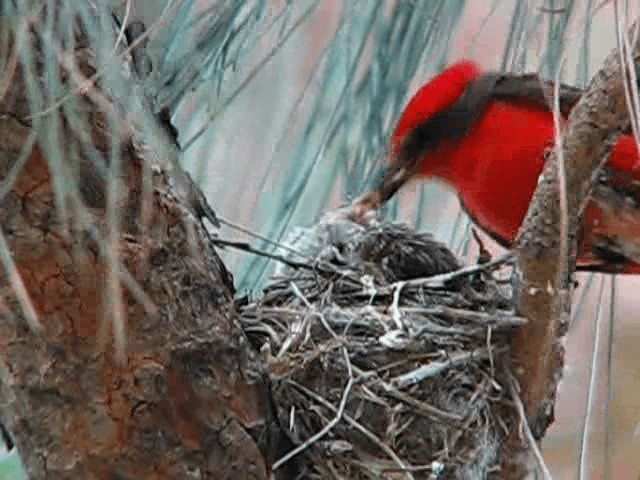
(389,360)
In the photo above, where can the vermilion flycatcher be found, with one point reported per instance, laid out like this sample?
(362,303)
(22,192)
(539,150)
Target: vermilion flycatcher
(485,135)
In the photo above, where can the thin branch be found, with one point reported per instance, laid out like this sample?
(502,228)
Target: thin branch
(440,281)
(17,285)
(533,444)
(583,467)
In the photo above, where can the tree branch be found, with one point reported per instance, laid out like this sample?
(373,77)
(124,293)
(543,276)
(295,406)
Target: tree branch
(545,257)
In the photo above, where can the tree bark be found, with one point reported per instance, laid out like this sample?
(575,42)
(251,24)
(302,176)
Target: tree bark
(546,246)
(189,399)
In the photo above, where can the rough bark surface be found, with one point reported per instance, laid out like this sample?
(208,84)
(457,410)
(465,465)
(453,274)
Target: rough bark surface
(546,261)
(191,400)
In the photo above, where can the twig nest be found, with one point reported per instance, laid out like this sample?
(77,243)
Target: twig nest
(388,360)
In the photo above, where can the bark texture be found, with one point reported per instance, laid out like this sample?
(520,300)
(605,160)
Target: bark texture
(191,399)
(546,245)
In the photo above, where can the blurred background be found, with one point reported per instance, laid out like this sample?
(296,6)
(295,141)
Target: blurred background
(291,119)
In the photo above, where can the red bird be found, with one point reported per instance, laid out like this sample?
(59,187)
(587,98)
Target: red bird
(485,135)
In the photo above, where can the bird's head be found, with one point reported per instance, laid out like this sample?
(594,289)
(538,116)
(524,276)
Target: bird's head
(426,121)
(432,116)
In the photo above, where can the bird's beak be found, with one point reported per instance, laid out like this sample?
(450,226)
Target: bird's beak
(393,178)
(363,209)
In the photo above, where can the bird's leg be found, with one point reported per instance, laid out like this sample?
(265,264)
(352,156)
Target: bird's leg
(483,254)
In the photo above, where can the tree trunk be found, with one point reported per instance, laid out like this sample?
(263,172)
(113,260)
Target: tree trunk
(120,350)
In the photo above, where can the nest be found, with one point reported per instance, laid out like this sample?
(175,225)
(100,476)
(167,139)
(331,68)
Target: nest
(388,359)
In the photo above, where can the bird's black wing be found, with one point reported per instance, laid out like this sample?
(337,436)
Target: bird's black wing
(532,88)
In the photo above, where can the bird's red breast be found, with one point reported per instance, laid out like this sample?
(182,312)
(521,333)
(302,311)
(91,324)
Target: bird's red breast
(496,154)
